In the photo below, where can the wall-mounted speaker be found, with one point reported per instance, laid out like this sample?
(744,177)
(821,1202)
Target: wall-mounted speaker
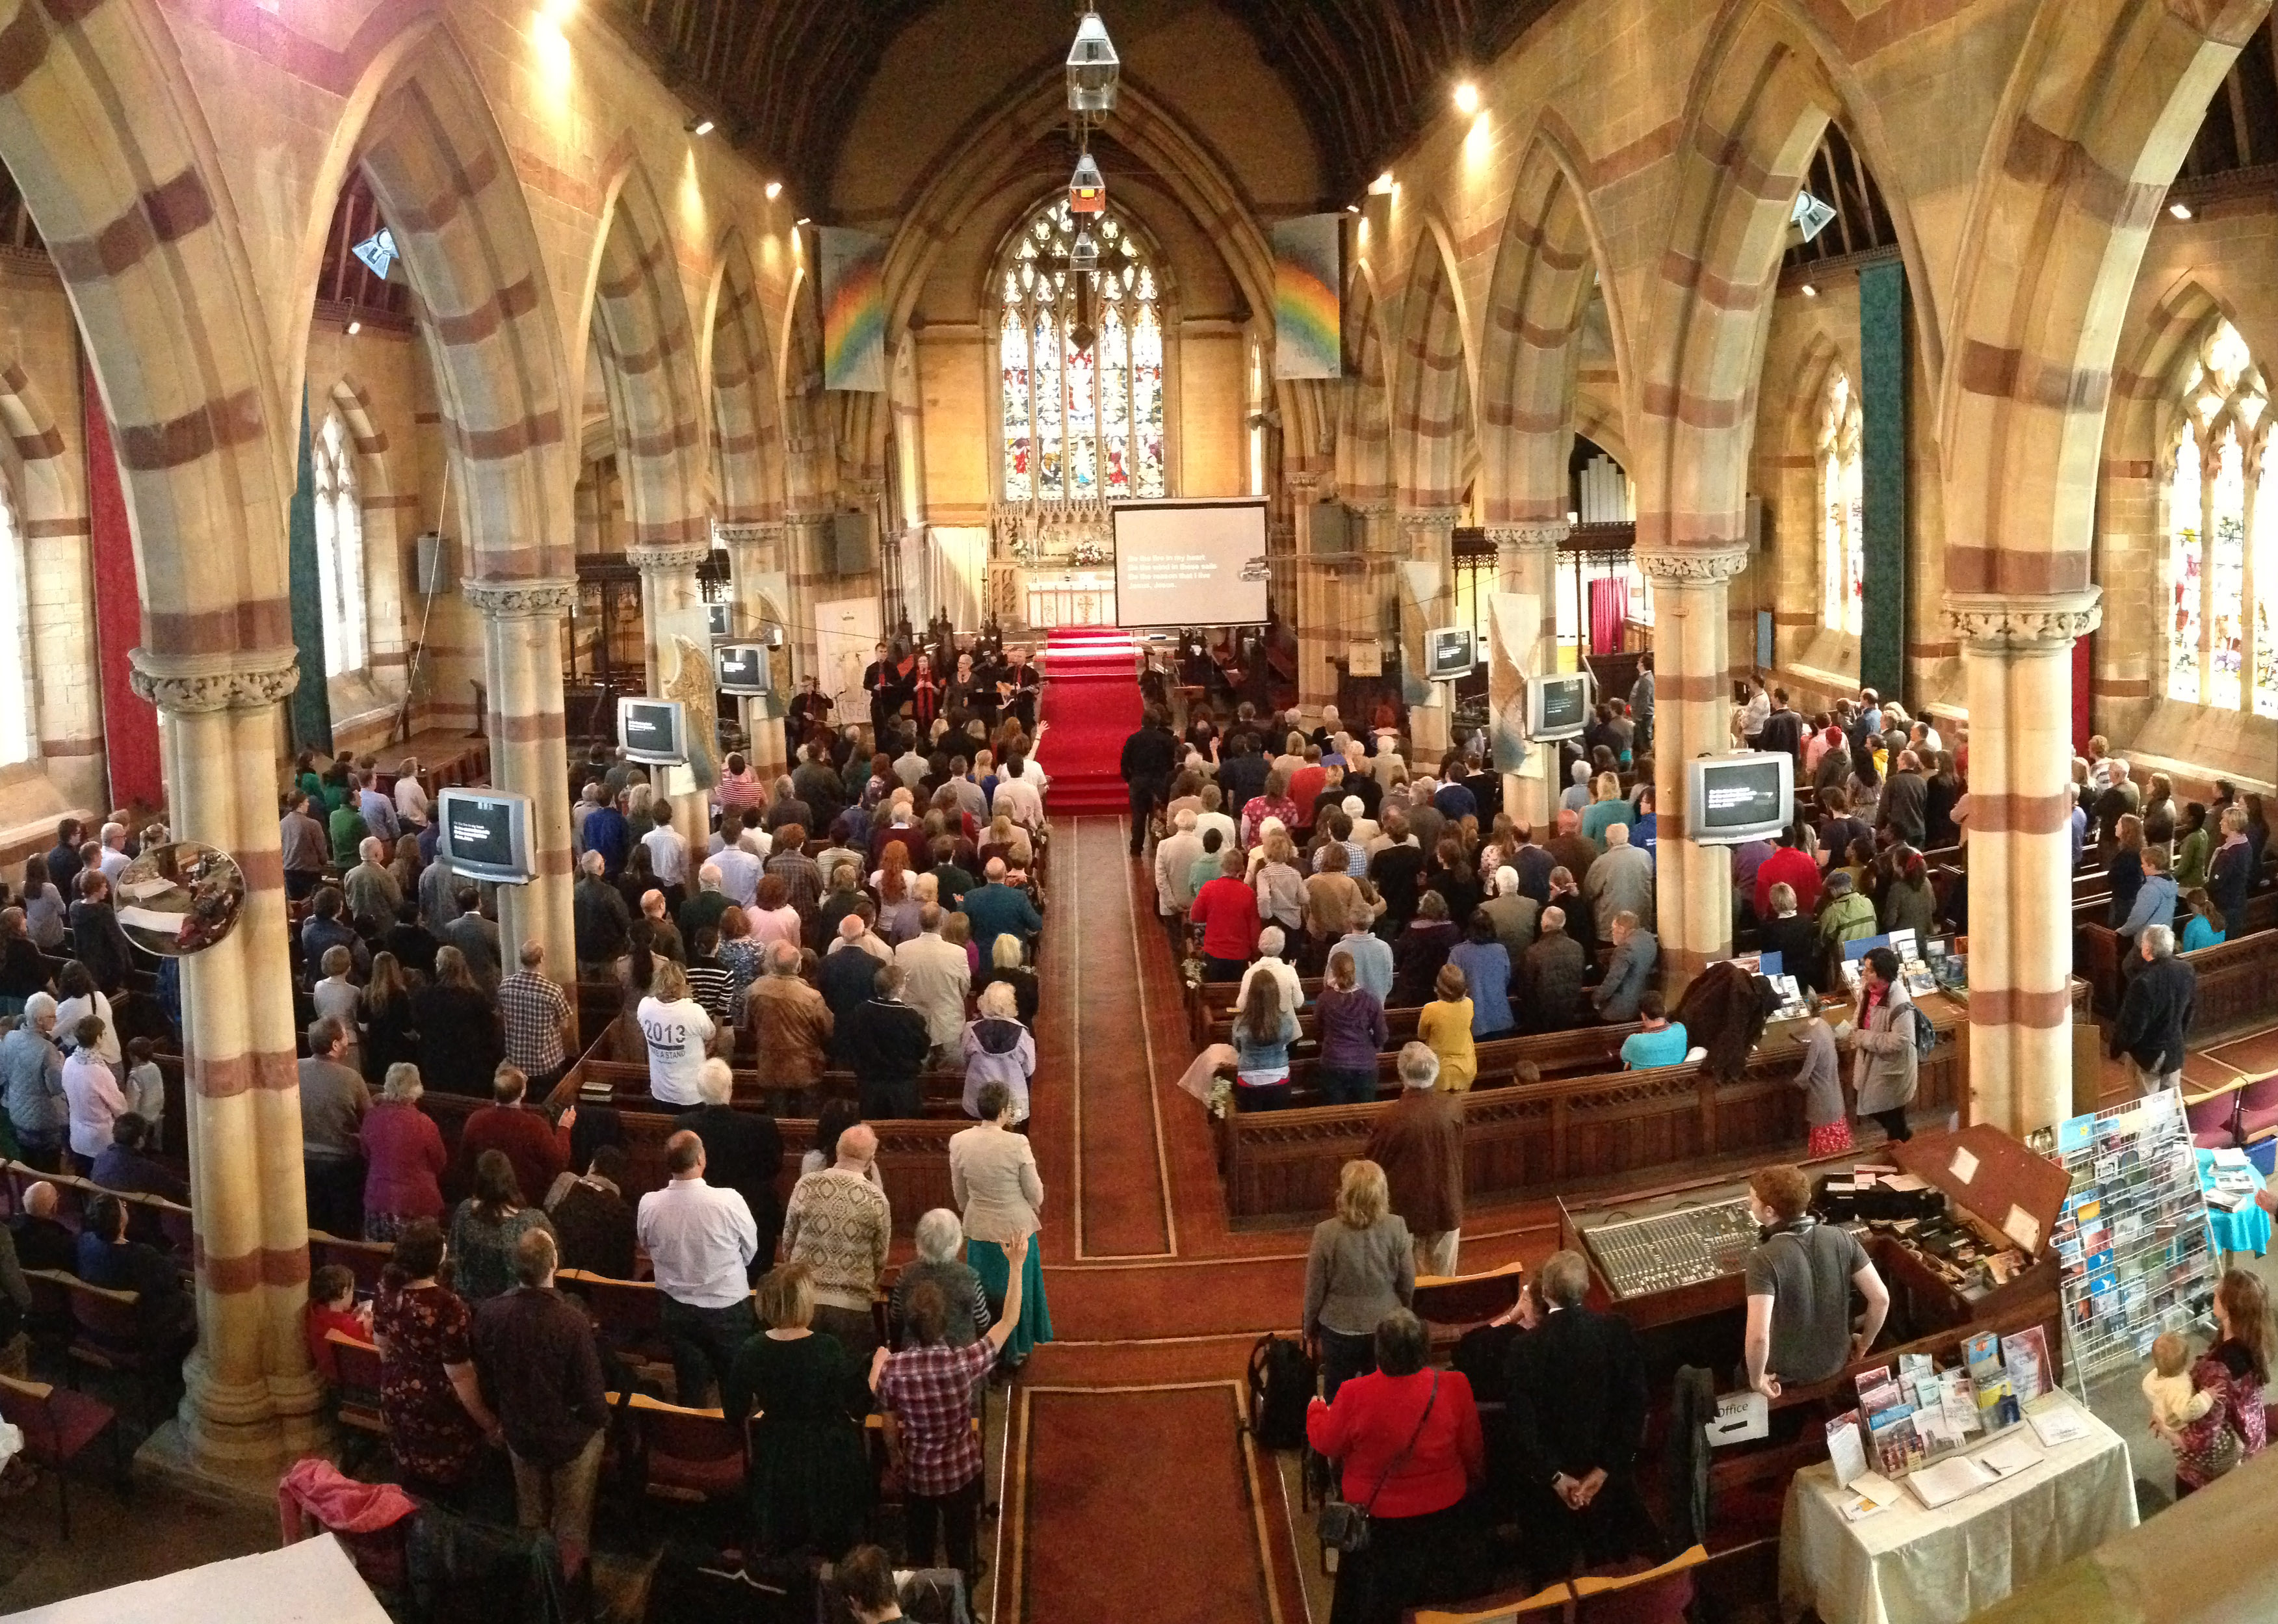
(854,537)
(435,564)
(1332,529)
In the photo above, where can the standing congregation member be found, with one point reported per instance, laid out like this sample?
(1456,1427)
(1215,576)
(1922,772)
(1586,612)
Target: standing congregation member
(539,1024)
(1419,1144)
(700,1241)
(488,1226)
(1353,1032)
(743,1150)
(1225,915)
(334,1103)
(1798,1287)
(538,1150)
(678,1032)
(1882,1034)
(2156,1012)
(838,1224)
(1360,1267)
(430,1395)
(992,1176)
(807,1477)
(403,1157)
(886,1044)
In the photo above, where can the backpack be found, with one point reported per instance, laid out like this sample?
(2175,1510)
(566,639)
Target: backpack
(1925,1034)
(1282,1383)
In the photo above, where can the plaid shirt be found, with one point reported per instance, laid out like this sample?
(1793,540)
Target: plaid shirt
(804,876)
(930,1390)
(534,1010)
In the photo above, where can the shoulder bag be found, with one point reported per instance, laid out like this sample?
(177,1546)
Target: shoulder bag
(1343,1526)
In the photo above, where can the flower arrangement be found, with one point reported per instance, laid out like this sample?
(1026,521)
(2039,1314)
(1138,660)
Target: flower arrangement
(1093,551)
(1221,1098)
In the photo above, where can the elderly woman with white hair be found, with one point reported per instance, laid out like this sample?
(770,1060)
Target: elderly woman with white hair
(1281,890)
(940,1237)
(998,1048)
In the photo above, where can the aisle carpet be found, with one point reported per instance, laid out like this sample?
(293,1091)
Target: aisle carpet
(1090,706)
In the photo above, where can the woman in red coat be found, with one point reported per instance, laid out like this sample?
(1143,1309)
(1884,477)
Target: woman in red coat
(1406,1438)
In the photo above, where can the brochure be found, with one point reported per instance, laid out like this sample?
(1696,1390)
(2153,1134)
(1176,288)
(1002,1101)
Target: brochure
(1846,1448)
(1949,1479)
(2025,1354)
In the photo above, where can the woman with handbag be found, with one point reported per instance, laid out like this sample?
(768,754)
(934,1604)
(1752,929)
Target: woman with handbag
(1407,1437)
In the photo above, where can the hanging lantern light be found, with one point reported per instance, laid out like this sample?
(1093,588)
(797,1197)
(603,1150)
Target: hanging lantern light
(1087,187)
(1092,67)
(1083,253)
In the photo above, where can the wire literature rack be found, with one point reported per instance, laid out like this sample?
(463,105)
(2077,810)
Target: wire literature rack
(2134,1250)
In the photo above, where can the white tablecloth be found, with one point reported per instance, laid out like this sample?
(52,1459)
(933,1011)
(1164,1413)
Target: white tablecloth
(311,1582)
(1910,1566)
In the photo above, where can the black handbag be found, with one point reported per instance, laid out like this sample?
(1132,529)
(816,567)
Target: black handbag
(1343,1526)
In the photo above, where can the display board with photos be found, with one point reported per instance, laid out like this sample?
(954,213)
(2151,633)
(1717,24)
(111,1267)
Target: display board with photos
(2135,1254)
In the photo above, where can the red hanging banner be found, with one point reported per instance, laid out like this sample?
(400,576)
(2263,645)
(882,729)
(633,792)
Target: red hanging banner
(130,723)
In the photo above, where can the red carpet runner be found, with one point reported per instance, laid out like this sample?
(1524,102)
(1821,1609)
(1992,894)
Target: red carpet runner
(1090,707)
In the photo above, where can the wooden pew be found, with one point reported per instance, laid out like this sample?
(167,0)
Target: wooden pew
(2238,977)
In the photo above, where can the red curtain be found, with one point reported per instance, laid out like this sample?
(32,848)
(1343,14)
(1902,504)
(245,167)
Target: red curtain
(130,723)
(2082,670)
(1610,609)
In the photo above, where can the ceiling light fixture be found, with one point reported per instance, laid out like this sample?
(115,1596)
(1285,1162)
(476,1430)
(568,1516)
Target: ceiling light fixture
(1467,98)
(1383,184)
(775,190)
(1810,217)
(1352,207)
(2180,210)
(805,219)
(354,328)
(1083,253)
(1809,292)
(1093,68)
(698,125)
(1088,187)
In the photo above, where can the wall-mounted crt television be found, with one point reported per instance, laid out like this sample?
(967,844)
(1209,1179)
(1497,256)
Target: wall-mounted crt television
(1449,652)
(723,618)
(742,669)
(485,835)
(652,731)
(1749,795)
(1558,706)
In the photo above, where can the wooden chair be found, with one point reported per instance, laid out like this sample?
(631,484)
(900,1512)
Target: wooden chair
(2257,1107)
(629,1313)
(362,1259)
(2213,1118)
(1658,1595)
(357,1404)
(1503,1608)
(59,1425)
(1460,1301)
(693,1455)
(109,1335)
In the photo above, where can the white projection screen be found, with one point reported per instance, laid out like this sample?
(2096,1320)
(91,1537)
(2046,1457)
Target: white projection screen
(1191,563)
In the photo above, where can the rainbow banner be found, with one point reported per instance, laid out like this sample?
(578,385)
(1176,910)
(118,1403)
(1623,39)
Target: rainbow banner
(1308,313)
(853,291)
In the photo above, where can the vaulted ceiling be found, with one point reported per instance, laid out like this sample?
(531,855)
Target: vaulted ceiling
(785,76)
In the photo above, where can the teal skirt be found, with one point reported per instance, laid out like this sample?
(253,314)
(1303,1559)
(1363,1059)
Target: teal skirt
(989,1261)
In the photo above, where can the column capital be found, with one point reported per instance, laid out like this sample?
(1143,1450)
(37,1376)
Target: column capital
(1300,480)
(658,558)
(521,599)
(822,517)
(1994,623)
(762,534)
(1429,518)
(1691,567)
(1547,534)
(240,680)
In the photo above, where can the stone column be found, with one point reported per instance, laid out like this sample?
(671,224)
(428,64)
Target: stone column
(529,755)
(1693,885)
(807,542)
(1320,637)
(754,550)
(2017,652)
(1526,562)
(678,631)
(250,1398)
(1430,535)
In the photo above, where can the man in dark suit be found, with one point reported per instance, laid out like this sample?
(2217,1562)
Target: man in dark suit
(882,680)
(1575,1398)
(743,1151)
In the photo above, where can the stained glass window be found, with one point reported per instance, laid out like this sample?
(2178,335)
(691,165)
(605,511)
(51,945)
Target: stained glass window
(1842,501)
(1080,364)
(2222,536)
(339,549)
(15,643)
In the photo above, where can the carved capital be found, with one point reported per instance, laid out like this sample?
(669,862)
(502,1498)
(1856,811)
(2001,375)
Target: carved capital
(1993,623)
(1302,482)
(243,679)
(1693,568)
(1525,537)
(1440,519)
(736,536)
(808,521)
(661,558)
(521,599)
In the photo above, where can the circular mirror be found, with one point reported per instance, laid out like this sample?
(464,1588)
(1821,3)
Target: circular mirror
(179,899)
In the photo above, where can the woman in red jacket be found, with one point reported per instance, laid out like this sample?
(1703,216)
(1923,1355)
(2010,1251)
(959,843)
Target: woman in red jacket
(1406,1438)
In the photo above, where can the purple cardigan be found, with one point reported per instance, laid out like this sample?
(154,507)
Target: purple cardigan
(1353,1029)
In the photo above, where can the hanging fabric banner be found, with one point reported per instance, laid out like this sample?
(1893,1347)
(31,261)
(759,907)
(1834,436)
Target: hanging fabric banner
(130,723)
(312,709)
(853,291)
(1308,313)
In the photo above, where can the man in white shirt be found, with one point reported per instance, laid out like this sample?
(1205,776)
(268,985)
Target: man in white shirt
(739,873)
(411,803)
(1019,795)
(114,859)
(1270,962)
(1212,816)
(667,853)
(701,1242)
(939,975)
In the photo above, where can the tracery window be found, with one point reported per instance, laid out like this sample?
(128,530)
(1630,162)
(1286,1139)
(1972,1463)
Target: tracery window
(339,549)
(1842,508)
(2222,533)
(15,642)
(1081,363)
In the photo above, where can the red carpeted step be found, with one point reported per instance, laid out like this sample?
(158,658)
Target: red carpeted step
(1090,706)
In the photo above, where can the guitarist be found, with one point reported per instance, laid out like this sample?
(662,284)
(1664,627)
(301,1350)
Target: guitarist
(1017,690)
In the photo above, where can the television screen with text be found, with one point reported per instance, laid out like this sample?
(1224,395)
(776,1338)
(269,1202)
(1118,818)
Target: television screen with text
(1191,563)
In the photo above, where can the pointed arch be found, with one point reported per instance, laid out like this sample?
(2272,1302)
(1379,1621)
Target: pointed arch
(811,478)
(1546,270)
(1365,411)
(747,433)
(1432,434)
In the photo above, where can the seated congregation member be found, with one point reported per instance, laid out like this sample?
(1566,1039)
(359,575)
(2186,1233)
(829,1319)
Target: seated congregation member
(1629,973)
(1264,1027)
(938,1240)
(1353,1032)
(1419,1144)
(40,1238)
(538,1149)
(1361,1266)
(743,1150)
(1574,1389)
(701,1241)
(126,1167)
(838,1224)
(1445,1025)
(885,1043)
(1406,1438)
(927,1392)
(808,1476)
(460,1044)
(333,1102)
(1225,915)
(164,1309)
(1550,976)
(678,1032)
(1659,1040)
(1799,1283)
(593,1221)
(998,1048)
(2206,927)
(1485,963)
(992,1177)
(331,1307)
(1421,951)
(487,1226)
(430,1395)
